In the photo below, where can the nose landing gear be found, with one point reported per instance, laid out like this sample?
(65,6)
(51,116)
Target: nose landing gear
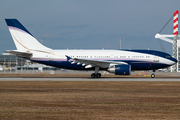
(153,75)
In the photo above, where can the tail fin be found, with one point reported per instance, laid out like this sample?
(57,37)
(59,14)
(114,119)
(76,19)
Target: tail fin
(23,39)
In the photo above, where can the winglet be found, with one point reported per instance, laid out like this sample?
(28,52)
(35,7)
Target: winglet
(68,58)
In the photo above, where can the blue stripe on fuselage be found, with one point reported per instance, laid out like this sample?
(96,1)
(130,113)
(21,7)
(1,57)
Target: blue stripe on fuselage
(135,65)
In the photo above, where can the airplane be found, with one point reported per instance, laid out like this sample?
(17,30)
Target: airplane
(119,62)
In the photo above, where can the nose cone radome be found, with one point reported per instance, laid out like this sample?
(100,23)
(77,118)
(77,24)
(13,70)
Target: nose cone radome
(174,60)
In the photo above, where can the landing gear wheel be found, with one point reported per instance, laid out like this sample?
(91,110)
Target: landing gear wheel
(93,75)
(152,75)
(98,75)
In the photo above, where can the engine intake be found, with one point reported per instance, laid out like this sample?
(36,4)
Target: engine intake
(120,69)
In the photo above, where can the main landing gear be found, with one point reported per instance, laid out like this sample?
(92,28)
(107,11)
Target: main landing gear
(96,74)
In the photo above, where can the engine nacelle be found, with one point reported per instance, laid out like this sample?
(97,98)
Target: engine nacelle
(120,69)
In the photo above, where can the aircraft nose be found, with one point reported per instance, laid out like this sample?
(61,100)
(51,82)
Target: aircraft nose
(174,60)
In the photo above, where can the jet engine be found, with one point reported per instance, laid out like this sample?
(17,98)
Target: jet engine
(120,69)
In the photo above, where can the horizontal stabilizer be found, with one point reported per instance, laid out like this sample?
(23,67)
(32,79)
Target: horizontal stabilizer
(26,55)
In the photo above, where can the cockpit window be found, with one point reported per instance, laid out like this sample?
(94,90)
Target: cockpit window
(168,56)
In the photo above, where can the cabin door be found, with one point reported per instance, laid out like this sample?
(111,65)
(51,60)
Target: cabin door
(155,57)
(51,56)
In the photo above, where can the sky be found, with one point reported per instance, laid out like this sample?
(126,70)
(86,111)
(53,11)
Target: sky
(90,24)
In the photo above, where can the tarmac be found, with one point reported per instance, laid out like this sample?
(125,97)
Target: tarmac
(75,95)
(90,79)
(85,76)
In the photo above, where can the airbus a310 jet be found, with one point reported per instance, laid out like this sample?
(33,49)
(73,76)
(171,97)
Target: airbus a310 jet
(119,62)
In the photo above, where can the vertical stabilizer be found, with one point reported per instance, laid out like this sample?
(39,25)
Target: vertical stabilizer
(23,39)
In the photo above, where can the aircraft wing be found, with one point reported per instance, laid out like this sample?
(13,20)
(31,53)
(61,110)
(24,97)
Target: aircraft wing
(92,63)
(22,54)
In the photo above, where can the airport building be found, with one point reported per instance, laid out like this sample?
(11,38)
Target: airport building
(8,61)
(178,55)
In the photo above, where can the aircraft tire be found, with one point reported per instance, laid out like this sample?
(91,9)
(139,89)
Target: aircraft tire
(152,75)
(93,75)
(98,75)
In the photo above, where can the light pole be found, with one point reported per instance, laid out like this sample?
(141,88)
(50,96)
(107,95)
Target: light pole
(41,40)
(120,42)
